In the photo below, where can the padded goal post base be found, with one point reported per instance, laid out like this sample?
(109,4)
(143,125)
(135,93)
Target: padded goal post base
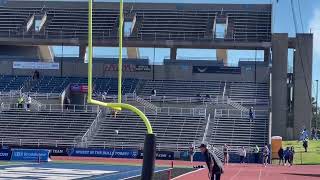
(149,155)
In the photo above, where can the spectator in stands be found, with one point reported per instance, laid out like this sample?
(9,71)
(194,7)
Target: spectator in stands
(256,152)
(305,145)
(265,154)
(20,102)
(154,92)
(251,114)
(67,103)
(281,156)
(225,154)
(286,156)
(28,103)
(242,154)
(214,164)
(104,96)
(36,75)
(291,155)
(191,152)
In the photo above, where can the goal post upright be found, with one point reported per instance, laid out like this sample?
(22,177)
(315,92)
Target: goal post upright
(150,139)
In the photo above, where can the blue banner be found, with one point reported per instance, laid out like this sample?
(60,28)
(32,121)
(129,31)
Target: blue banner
(109,153)
(5,154)
(30,155)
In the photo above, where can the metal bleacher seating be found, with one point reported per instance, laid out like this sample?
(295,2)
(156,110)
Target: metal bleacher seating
(57,84)
(8,83)
(234,128)
(182,88)
(174,24)
(73,23)
(12,20)
(163,24)
(44,127)
(173,131)
(249,90)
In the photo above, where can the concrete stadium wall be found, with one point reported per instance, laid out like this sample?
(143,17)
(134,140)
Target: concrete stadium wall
(161,72)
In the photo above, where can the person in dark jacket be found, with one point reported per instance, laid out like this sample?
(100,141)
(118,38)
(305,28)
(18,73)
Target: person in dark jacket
(286,154)
(305,145)
(281,156)
(291,155)
(214,164)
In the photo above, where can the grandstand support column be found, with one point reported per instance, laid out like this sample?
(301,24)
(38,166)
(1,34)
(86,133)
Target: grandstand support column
(279,84)
(302,89)
(267,55)
(222,56)
(173,53)
(82,51)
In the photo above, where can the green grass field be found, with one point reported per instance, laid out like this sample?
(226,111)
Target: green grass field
(301,157)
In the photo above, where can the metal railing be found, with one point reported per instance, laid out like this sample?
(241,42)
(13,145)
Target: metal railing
(110,34)
(204,138)
(37,142)
(145,103)
(239,113)
(57,108)
(93,127)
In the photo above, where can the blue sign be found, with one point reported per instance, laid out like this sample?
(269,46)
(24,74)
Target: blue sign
(30,155)
(5,154)
(109,153)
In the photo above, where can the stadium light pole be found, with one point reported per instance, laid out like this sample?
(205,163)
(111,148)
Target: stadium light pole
(317,103)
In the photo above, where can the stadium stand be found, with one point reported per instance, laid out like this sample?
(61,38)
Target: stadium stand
(8,83)
(149,24)
(234,128)
(162,24)
(52,84)
(47,127)
(12,20)
(182,88)
(174,131)
(249,90)
(68,23)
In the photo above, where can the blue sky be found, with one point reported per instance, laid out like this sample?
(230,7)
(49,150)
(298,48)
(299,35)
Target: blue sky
(283,23)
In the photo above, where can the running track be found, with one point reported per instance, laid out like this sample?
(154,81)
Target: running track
(258,172)
(232,171)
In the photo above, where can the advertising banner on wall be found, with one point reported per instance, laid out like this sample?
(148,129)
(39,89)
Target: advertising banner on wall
(30,155)
(127,68)
(108,153)
(216,69)
(5,154)
(143,68)
(35,65)
(58,152)
(83,88)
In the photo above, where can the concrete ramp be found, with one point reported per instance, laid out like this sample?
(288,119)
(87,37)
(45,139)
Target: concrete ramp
(46,53)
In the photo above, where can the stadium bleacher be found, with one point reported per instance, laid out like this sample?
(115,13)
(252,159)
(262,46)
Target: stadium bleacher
(182,88)
(234,128)
(46,126)
(8,83)
(149,24)
(249,90)
(174,131)
(52,84)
